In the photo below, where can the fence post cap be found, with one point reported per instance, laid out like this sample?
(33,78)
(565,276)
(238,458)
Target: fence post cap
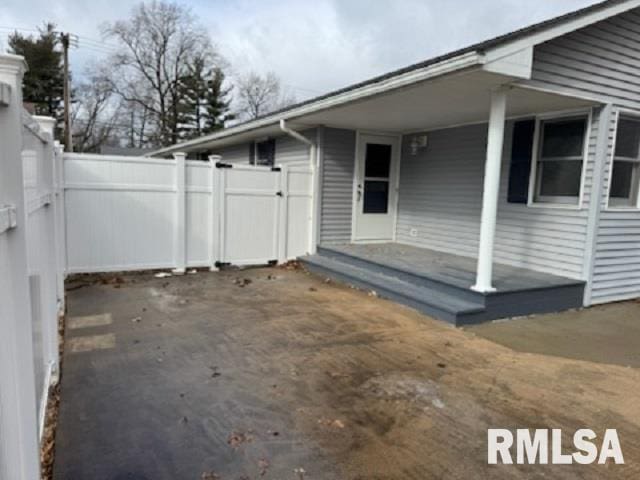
(15,64)
(47,124)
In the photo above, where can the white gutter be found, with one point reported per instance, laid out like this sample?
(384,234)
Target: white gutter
(400,80)
(314,164)
(296,135)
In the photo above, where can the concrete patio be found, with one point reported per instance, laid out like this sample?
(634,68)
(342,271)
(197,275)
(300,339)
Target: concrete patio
(275,373)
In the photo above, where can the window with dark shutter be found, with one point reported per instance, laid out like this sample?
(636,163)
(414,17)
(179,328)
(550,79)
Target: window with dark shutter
(265,152)
(521,153)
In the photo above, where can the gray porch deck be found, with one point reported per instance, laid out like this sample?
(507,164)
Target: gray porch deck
(438,284)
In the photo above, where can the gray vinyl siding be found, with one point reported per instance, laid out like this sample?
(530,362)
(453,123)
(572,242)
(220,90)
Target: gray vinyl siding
(616,273)
(235,153)
(338,160)
(603,61)
(440,196)
(288,150)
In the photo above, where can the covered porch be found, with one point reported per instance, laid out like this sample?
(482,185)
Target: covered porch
(447,239)
(438,283)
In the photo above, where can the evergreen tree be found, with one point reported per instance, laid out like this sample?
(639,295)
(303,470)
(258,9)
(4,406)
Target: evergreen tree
(44,81)
(218,103)
(204,104)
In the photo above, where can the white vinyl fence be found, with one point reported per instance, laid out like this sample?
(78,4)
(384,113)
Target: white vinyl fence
(72,213)
(134,213)
(31,273)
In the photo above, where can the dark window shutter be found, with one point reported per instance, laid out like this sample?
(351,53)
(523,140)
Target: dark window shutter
(252,154)
(521,152)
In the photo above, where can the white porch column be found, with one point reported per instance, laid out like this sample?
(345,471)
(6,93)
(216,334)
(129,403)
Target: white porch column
(180,233)
(491,190)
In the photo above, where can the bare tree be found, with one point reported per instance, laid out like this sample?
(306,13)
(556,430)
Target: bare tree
(157,45)
(258,95)
(95,115)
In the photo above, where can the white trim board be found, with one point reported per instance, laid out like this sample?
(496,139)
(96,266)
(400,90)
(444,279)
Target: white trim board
(595,207)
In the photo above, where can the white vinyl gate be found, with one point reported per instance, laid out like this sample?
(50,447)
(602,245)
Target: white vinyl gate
(264,213)
(250,204)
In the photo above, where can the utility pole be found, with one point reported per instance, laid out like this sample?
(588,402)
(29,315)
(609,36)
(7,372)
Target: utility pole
(68,139)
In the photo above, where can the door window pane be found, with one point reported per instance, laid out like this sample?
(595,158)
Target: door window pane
(560,178)
(377,160)
(563,138)
(376,196)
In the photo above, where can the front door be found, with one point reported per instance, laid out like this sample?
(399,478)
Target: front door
(375,193)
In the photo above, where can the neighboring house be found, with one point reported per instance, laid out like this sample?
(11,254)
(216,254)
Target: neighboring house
(522,152)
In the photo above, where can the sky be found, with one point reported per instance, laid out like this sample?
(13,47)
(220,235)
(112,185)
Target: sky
(314,46)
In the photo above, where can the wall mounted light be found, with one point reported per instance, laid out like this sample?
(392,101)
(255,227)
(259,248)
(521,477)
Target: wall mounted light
(418,142)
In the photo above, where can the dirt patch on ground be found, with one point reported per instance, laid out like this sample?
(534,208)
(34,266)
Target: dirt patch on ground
(604,334)
(321,378)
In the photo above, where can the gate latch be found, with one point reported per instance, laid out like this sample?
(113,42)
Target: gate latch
(279,193)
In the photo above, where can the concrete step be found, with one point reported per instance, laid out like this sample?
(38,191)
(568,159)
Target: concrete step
(436,303)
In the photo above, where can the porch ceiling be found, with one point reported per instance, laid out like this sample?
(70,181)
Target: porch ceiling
(453,100)
(443,102)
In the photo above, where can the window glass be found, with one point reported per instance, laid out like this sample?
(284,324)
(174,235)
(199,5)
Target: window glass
(560,178)
(266,152)
(564,138)
(560,161)
(623,191)
(621,180)
(376,196)
(628,138)
(377,160)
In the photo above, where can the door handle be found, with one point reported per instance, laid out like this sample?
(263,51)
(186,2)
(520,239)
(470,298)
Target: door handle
(359,192)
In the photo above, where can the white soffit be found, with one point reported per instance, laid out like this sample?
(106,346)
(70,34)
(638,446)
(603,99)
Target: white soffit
(457,100)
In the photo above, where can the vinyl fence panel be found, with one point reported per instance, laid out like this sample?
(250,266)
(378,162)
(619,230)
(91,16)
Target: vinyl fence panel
(135,213)
(31,275)
(120,213)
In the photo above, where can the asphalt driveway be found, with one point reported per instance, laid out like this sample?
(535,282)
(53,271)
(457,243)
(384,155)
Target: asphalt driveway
(276,374)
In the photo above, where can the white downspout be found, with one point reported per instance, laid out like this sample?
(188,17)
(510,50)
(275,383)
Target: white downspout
(315,168)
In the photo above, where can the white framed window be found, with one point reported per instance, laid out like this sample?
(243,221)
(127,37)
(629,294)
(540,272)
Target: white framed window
(559,162)
(625,172)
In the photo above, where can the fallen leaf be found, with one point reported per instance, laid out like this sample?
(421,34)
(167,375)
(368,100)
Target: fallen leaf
(263,465)
(238,438)
(210,476)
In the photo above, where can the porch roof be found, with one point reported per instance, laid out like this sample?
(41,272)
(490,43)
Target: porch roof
(445,90)
(457,99)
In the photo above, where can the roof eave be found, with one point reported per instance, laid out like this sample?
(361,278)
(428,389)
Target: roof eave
(455,64)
